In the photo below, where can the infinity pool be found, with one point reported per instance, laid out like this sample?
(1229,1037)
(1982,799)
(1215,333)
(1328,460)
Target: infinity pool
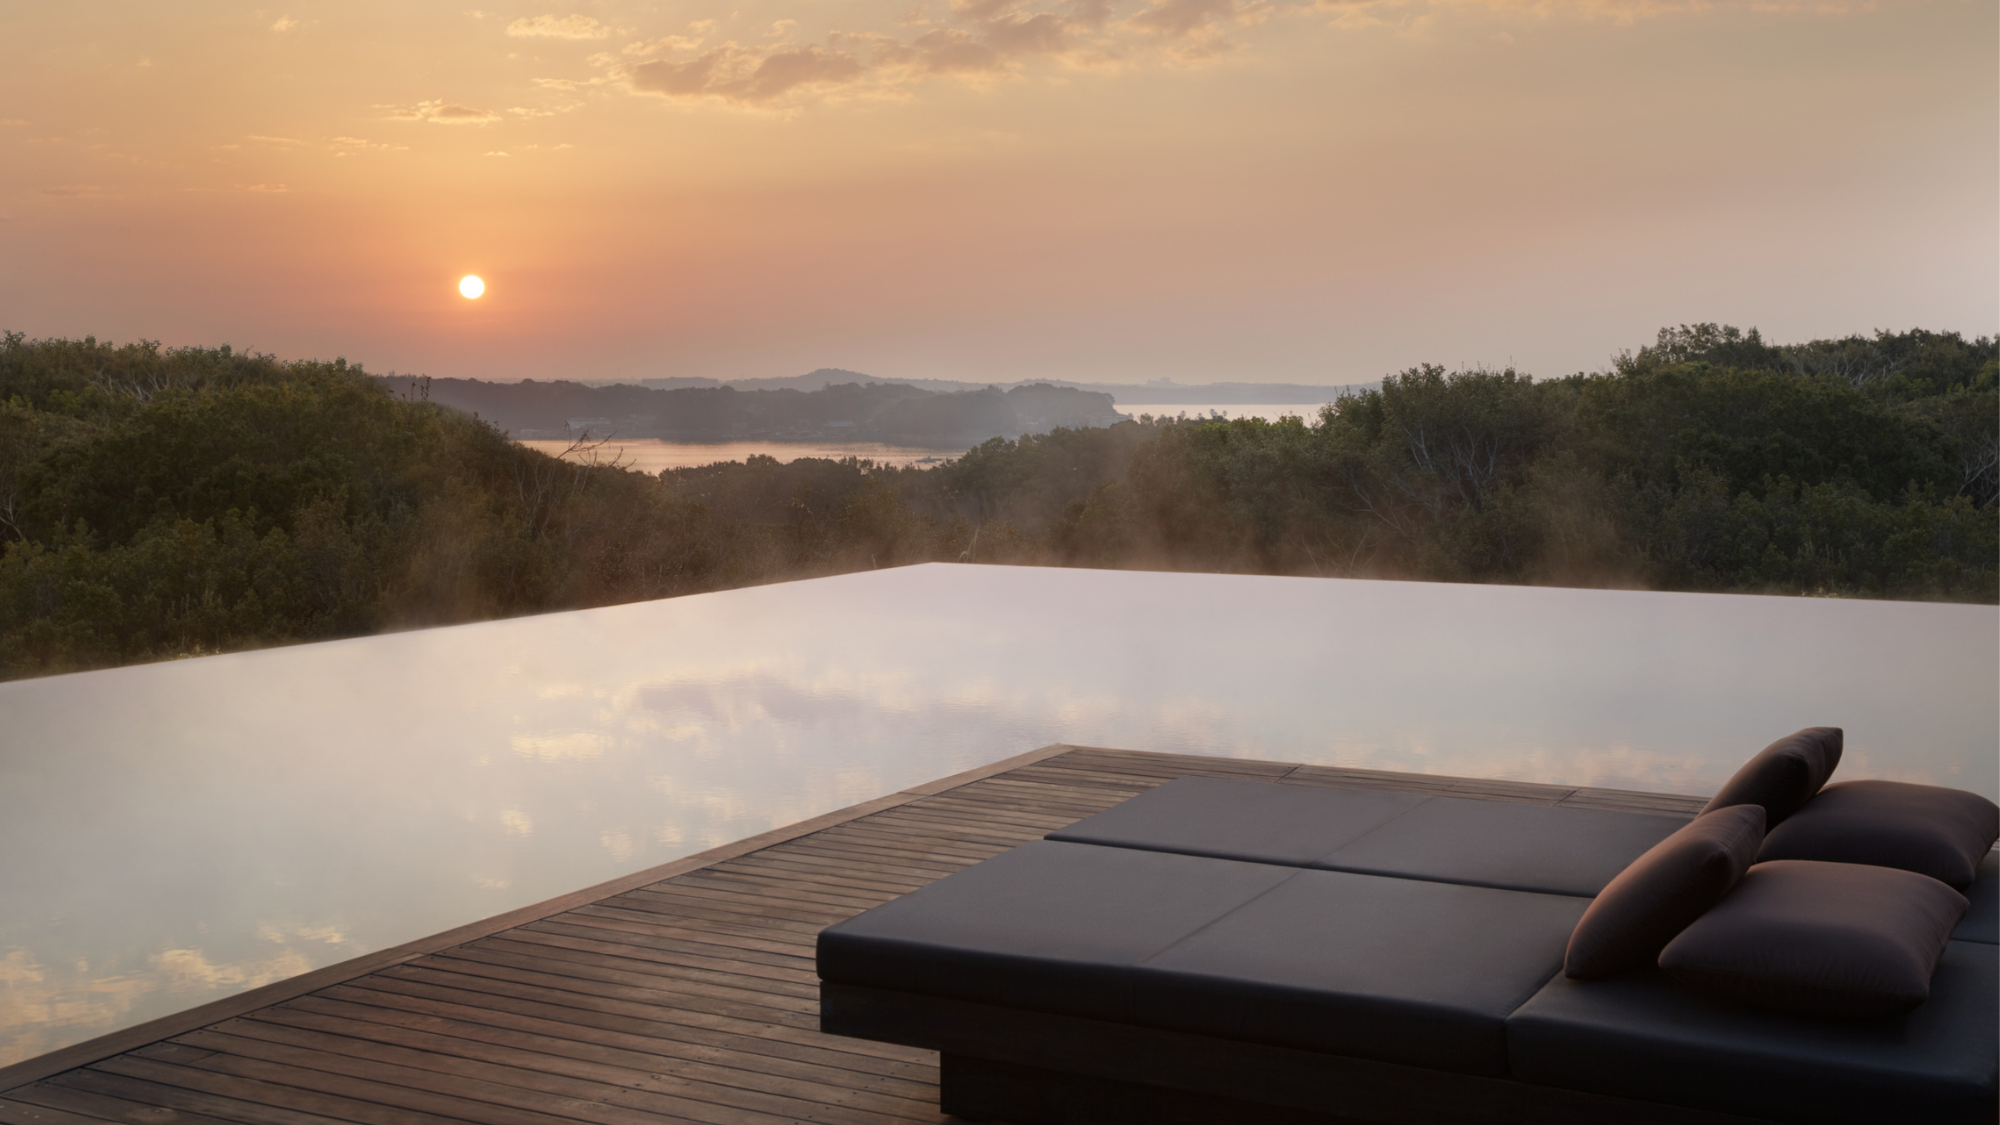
(178,832)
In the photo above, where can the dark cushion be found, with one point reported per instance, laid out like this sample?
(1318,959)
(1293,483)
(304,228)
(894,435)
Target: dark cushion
(1505,844)
(1642,1036)
(1248,820)
(1399,970)
(1823,939)
(1982,911)
(1935,831)
(1047,925)
(1784,775)
(1394,969)
(1663,890)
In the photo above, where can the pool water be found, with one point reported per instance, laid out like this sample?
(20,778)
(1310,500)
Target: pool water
(178,832)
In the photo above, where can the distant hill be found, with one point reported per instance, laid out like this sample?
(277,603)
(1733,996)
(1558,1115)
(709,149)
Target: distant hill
(1161,391)
(852,410)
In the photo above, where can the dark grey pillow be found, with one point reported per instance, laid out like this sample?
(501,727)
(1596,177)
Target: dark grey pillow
(1820,939)
(1659,893)
(1934,831)
(1784,775)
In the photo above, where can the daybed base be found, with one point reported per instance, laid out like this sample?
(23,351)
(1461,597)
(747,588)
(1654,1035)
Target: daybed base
(1038,1068)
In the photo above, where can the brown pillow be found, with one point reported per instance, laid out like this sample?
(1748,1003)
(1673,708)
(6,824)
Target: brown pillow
(1659,893)
(1821,939)
(1784,775)
(1934,831)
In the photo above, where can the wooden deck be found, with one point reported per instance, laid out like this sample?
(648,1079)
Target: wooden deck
(685,993)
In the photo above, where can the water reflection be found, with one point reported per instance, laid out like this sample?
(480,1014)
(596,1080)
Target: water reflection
(650,455)
(181,831)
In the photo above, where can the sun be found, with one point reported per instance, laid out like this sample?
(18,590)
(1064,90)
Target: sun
(471,287)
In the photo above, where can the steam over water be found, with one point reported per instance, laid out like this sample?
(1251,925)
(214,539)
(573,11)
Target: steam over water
(178,832)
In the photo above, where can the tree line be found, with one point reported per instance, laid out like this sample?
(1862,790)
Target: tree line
(158,502)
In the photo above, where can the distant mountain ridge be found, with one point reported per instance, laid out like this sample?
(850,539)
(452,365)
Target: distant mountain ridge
(1159,392)
(838,411)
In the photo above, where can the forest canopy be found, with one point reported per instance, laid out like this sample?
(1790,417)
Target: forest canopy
(163,502)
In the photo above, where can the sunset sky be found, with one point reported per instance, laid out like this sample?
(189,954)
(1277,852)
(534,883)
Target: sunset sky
(1300,190)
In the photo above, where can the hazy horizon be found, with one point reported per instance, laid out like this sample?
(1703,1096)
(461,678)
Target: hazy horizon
(1306,191)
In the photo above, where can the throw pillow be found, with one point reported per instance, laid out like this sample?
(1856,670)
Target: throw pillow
(1784,775)
(1659,893)
(1820,939)
(1934,831)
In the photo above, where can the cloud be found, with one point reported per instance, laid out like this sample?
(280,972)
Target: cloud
(441,113)
(984,39)
(732,74)
(1195,19)
(75,191)
(343,146)
(981,41)
(274,140)
(284,24)
(557,27)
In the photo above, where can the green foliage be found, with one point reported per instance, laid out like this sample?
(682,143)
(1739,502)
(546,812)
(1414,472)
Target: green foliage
(158,503)
(166,502)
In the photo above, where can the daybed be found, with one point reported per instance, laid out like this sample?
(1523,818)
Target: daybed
(1220,950)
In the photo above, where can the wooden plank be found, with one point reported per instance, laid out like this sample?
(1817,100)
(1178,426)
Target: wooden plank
(646,959)
(604,1007)
(251,1091)
(555,1084)
(557,971)
(695,943)
(1622,800)
(501,1007)
(24,1113)
(1174,765)
(398,1086)
(722,933)
(84,1093)
(664,1040)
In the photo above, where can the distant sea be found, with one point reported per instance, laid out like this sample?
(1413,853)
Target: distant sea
(650,455)
(1269,413)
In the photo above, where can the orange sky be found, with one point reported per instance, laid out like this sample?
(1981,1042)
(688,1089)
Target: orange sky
(1300,190)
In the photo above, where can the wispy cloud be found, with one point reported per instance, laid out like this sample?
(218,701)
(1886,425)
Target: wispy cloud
(732,73)
(284,24)
(977,40)
(557,27)
(441,113)
(344,146)
(987,40)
